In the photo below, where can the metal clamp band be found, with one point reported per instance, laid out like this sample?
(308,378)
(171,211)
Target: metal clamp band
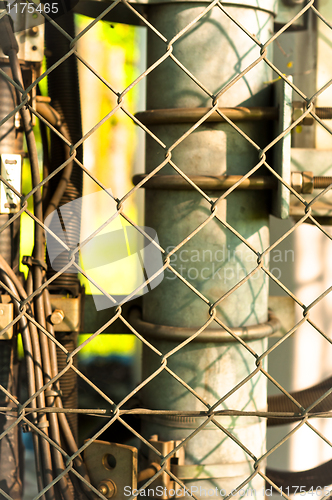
(178,334)
(29,261)
(43,425)
(208,182)
(51,393)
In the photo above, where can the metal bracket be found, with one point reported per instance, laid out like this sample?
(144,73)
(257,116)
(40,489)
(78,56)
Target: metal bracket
(164,481)
(287,9)
(112,467)
(11,165)
(6,316)
(216,335)
(66,313)
(29,29)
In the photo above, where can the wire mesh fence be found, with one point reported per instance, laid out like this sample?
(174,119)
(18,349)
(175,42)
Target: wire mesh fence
(216,155)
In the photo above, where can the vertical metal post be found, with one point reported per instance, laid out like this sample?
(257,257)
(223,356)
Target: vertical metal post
(214,50)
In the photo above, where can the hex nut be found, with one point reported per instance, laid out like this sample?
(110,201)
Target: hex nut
(107,488)
(33,31)
(57,317)
(297,181)
(307,182)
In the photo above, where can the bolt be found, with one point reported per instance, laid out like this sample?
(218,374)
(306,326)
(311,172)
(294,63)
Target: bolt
(103,489)
(306,182)
(322,182)
(57,317)
(33,31)
(324,113)
(107,488)
(297,181)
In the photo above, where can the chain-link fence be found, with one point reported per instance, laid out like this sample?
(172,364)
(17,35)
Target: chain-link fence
(218,126)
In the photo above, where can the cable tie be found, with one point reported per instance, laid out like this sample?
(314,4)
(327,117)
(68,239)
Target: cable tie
(25,428)
(43,425)
(52,393)
(29,261)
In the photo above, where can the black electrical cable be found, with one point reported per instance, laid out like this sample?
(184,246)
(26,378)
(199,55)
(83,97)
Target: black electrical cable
(310,479)
(46,159)
(9,278)
(30,355)
(38,253)
(306,398)
(62,484)
(63,88)
(319,476)
(43,423)
(54,118)
(52,400)
(12,282)
(38,374)
(65,428)
(11,143)
(10,48)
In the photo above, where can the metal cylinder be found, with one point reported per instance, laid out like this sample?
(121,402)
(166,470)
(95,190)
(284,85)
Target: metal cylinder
(214,50)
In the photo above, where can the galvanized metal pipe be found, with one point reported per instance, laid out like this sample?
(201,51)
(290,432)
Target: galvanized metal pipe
(213,261)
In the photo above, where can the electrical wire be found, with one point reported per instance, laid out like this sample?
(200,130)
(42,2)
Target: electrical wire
(11,280)
(33,359)
(40,353)
(41,349)
(54,118)
(37,271)
(64,425)
(7,276)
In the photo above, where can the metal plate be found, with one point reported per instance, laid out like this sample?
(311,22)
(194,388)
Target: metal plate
(113,461)
(29,30)
(287,12)
(71,308)
(6,316)
(11,172)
